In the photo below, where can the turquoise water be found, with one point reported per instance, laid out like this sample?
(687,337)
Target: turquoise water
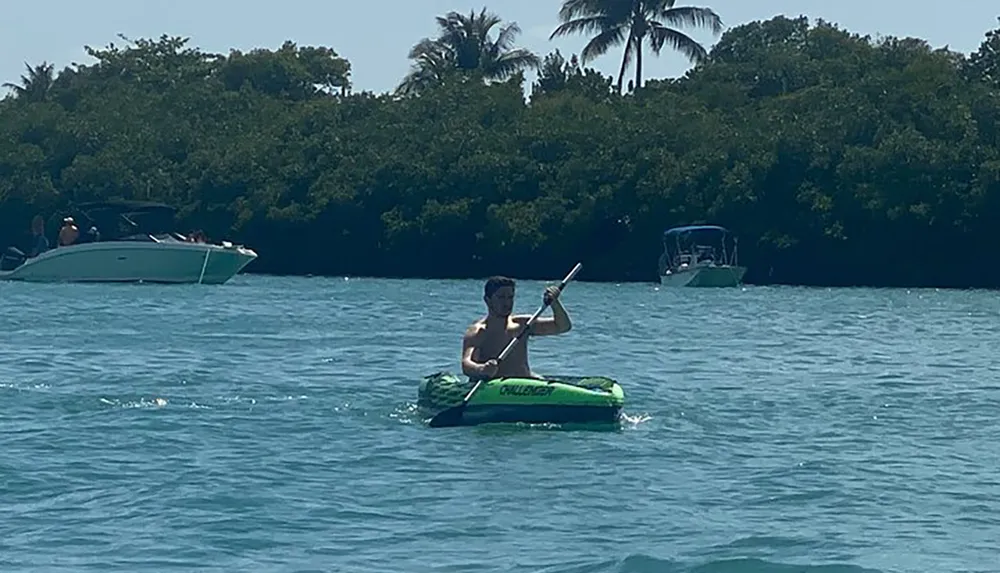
(268,425)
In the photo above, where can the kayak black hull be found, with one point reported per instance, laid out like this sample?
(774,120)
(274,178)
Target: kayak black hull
(539,414)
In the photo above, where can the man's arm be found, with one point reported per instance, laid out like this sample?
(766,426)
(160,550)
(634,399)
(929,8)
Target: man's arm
(559,323)
(470,367)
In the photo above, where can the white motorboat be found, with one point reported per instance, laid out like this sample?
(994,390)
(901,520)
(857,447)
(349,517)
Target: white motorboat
(134,255)
(687,261)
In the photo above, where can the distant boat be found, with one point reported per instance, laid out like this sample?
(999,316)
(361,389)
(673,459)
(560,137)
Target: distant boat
(133,255)
(697,256)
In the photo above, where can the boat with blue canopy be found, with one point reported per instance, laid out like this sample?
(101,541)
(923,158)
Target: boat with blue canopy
(700,256)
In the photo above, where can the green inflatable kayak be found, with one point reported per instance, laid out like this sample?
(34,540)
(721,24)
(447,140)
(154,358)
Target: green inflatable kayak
(589,399)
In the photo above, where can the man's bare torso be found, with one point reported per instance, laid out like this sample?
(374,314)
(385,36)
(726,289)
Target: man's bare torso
(490,342)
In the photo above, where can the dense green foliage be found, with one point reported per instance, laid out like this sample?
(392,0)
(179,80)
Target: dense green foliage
(837,159)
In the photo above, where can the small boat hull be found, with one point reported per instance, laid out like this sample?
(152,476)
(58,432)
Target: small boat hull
(583,400)
(171,262)
(704,276)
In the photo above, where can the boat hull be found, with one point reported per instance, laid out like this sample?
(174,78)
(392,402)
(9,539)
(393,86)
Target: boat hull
(583,400)
(714,276)
(172,262)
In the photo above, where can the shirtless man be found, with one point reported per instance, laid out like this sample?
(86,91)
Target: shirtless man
(69,232)
(486,338)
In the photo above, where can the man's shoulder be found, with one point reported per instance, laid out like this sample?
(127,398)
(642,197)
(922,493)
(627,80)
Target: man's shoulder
(475,329)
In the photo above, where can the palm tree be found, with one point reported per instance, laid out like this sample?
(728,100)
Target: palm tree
(433,62)
(36,84)
(632,22)
(464,45)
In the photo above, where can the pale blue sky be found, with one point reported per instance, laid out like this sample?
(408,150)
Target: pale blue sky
(375,36)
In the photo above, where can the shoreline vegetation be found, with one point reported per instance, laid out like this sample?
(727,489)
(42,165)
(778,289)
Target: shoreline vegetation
(837,159)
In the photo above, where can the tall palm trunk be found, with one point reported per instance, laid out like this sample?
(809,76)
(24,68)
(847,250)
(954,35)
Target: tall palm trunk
(638,64)
(634,43)
(625,58)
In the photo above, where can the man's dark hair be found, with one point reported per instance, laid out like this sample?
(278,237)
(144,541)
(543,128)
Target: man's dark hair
(493,284)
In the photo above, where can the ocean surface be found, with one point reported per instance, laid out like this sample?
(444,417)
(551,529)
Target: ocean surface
(269,424)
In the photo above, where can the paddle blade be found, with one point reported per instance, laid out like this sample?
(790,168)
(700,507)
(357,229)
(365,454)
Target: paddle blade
(448,418)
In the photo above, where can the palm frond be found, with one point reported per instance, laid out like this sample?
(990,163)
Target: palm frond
(424,48)
(587,24)
(485,19)
(691,17)
(573,9)
(660,35)
(512,62)
(599,44)
(616,10)
(505,40)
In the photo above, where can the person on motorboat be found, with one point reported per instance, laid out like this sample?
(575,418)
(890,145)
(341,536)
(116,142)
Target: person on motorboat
(486,338)
(91,236)
(39,242)
(68,233)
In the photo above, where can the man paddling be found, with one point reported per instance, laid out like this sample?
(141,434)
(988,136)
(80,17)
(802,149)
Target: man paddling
(486,338)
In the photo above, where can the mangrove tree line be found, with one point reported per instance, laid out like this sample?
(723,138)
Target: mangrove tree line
(836,158)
